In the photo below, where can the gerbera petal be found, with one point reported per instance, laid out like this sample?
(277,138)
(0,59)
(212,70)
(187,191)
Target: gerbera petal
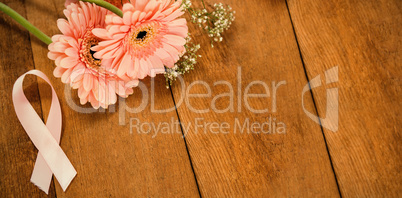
(53,55)
(124,29)
(101,33)
(128,7)
(142,16)
(165,57)
(174,40)
(117,20)
(181,31)
(111,92)
(125,64)
(83,100)
(178,22)
(88,81)
(95,90)
(68,62)
(78,72)
(135,66)
(172,51)
(82,93)
(101,91)
(64,27)
(56,37)
(131,84)
(65,78)
(71,41)
(77,84)
(72,52)
(95,103)
(157,66)
(140,4)
(173,15)
(143,70)
(59,47)
(127,17)
(58,71)
(151,6)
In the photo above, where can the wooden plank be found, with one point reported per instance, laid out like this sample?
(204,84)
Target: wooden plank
(18,154)
(254,164)
(364,39)
(110,160)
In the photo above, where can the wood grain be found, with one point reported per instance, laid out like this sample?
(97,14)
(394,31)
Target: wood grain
(18,154)
(254,164)
(364,39)
(110,160)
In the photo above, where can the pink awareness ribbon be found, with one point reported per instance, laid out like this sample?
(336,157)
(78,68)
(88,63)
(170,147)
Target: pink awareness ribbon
(51,158)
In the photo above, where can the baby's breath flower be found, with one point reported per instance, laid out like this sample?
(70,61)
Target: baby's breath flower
(185,64)
(215,22)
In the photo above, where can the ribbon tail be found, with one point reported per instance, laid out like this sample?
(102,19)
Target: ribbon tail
(41,175)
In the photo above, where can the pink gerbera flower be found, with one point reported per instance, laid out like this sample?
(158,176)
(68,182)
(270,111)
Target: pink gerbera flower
(75,63)
(148,37)
(117,3)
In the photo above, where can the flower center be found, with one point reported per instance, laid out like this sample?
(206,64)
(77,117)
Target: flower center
(86,54)
(142,36)
(92,53)
(144,39)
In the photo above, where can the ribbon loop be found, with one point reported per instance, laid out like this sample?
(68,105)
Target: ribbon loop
(46,138)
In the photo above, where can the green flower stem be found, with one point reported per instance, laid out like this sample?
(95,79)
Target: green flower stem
(203,4)
(26,24)
(106,5)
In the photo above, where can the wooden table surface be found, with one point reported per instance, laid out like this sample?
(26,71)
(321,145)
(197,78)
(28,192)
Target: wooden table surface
(284,44)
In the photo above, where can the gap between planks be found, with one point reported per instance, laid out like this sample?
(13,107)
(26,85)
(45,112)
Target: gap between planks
(312,96)
(185,142)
